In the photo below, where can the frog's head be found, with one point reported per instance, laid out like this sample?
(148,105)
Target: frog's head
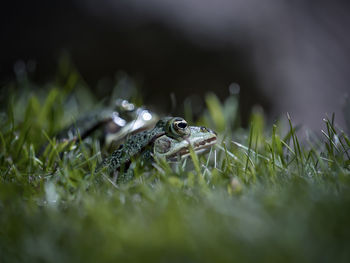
(200,138)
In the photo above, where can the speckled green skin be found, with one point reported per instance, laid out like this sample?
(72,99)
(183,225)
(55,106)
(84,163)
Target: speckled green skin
(121,158)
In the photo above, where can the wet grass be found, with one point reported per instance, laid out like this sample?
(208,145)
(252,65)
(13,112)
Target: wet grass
(260,195)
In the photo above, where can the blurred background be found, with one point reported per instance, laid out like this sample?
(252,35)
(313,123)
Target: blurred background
(285,56)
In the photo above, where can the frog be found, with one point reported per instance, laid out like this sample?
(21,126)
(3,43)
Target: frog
(137,143)
(169,139)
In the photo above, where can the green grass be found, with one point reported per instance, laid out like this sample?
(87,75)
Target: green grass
(260,195)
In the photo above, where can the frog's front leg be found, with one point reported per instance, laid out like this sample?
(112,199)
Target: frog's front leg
(128,174)
(123,177)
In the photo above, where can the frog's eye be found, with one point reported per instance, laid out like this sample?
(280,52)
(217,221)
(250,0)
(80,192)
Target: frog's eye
(179,127)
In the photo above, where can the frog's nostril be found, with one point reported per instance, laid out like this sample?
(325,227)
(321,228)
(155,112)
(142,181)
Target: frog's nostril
(211,131)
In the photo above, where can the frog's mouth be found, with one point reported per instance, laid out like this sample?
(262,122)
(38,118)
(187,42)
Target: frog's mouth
(199,147)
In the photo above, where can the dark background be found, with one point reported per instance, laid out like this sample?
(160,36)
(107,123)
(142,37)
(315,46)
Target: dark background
(285,56)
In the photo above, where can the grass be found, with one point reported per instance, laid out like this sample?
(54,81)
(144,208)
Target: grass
(260,195)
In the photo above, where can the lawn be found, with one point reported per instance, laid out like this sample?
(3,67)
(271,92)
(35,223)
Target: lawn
(260,195)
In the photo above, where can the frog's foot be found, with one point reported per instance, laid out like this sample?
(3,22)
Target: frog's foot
(123,177)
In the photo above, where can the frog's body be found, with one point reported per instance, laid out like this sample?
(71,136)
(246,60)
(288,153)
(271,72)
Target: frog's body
(136,144)
(169,139)
(121,158)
